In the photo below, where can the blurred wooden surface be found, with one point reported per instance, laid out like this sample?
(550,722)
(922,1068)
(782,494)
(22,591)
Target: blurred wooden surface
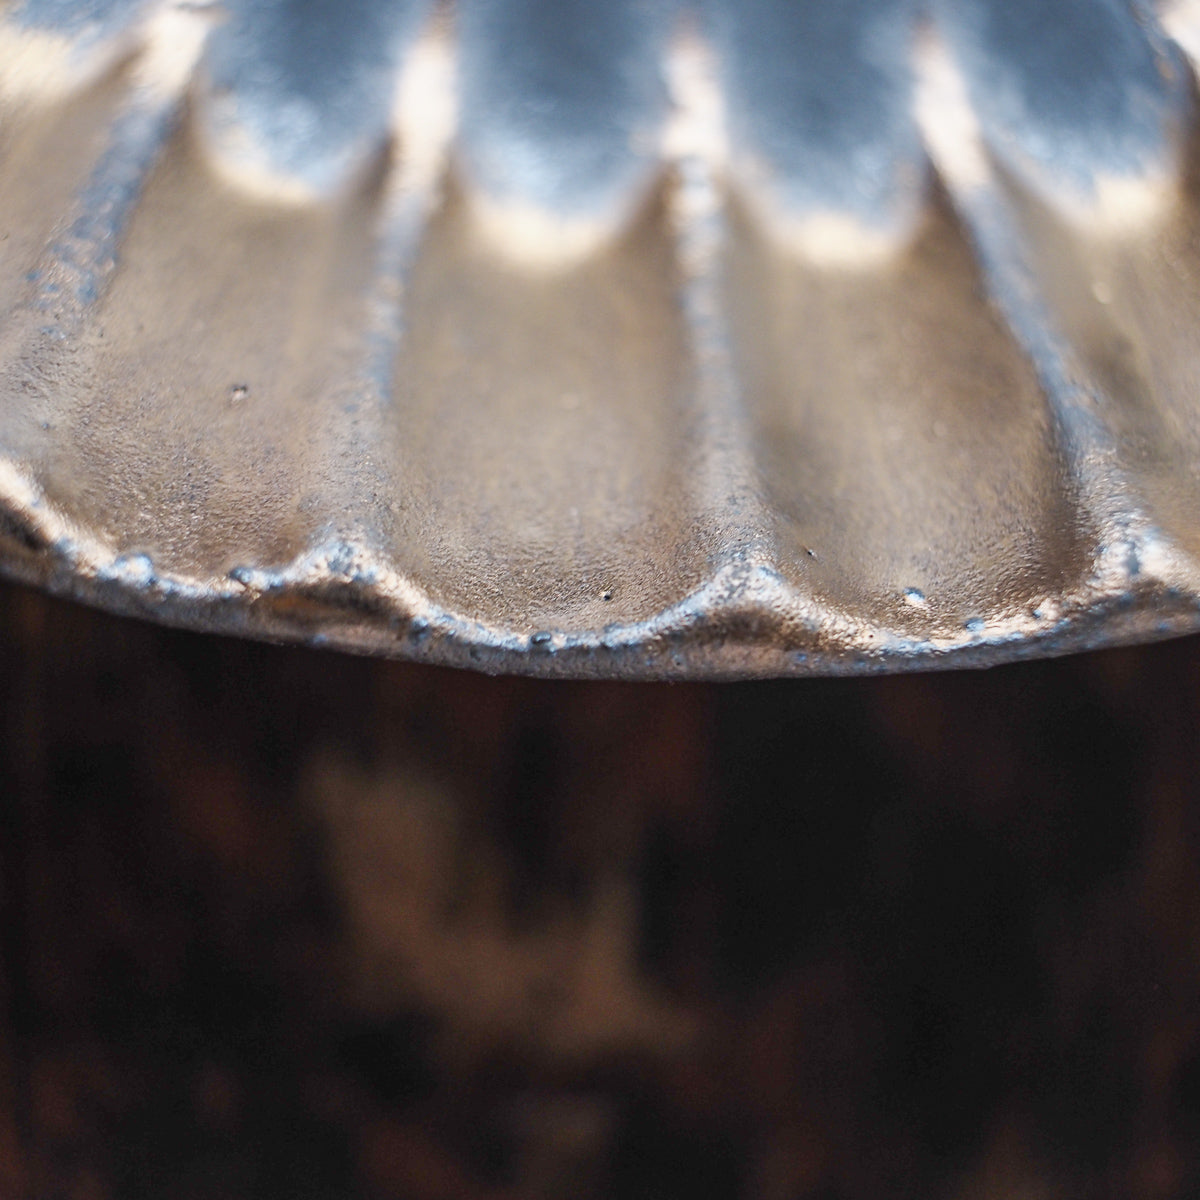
(279,923)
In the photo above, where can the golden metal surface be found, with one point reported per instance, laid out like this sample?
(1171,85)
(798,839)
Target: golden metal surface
(624,340)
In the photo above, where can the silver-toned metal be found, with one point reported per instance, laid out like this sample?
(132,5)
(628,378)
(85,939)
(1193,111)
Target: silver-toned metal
(646,339)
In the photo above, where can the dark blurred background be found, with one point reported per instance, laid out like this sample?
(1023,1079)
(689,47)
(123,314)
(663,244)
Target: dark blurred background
(283,923)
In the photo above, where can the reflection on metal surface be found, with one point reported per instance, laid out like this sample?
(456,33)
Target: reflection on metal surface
(644,339)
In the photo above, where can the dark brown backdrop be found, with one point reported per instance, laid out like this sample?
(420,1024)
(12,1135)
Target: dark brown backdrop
(280,923)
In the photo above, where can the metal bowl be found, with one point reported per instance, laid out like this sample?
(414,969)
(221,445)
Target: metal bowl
(639,339)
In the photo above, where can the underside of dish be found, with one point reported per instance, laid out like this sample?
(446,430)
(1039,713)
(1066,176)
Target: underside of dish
(634,340)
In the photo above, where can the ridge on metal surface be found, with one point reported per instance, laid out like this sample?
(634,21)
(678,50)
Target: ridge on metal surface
(649,339)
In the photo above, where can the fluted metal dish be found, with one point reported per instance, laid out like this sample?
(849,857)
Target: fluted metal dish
(639,339)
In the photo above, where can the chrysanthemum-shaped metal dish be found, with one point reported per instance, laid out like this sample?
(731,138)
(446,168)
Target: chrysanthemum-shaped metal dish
(643,339)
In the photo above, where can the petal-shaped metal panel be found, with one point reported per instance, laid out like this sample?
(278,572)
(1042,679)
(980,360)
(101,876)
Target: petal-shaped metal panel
(643,339)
